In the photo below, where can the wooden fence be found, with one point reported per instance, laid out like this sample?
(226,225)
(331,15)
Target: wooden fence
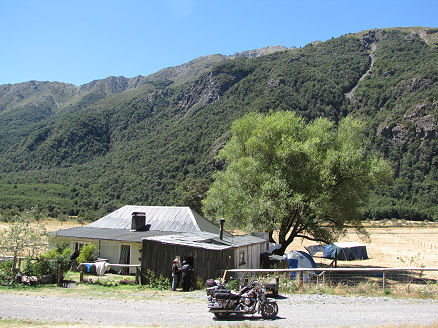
(321,273)
(8,257)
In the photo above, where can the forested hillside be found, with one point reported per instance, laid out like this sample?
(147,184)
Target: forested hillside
(153,140)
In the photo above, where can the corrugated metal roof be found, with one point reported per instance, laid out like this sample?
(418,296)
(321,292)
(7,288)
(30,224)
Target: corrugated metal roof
(160,218)
(204,240)
(207,240)
(109,234)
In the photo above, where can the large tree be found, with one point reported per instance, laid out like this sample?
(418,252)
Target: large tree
(302,180)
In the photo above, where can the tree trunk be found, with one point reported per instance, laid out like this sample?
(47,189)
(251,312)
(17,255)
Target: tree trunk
(14,265)
(271,239)
(282,249)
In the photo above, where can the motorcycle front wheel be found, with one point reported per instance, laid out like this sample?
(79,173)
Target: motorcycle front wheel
(269,310)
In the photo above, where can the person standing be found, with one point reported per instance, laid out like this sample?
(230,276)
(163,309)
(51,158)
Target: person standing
(175,273)
(187,272)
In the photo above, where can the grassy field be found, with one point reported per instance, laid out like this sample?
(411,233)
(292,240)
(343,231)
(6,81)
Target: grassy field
(391,244)
(50,224)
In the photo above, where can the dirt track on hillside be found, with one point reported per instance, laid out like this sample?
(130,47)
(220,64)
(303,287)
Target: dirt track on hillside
(190,310)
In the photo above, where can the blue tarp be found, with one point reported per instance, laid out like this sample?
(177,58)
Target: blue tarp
(345,251)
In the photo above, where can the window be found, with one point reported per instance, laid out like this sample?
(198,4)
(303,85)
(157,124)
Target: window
(242,257)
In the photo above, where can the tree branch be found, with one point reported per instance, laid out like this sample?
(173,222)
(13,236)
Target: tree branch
(311,238)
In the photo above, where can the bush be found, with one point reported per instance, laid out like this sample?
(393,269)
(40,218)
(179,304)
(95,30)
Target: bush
(6,273)
(233,284)
(55,262)
(86,254)
(158,282)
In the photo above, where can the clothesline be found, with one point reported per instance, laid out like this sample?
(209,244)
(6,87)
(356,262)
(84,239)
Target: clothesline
(102,266)
(116,265)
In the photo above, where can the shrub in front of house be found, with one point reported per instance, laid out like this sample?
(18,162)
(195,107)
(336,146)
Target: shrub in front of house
(49,267)
(86,254)
(6,273)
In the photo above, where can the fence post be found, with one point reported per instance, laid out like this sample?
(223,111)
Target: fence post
(384,280)
(300,278)
(81,275)
(137,276)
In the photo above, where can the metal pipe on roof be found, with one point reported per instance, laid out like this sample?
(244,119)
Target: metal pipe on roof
(221,232)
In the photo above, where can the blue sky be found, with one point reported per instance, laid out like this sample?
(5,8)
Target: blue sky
(79,41)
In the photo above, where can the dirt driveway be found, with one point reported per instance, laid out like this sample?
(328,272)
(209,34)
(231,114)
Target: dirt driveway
(190,310)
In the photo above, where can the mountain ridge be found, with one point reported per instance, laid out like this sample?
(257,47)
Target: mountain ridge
(155,143)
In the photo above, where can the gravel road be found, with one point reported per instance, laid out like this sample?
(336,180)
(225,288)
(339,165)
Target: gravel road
(190,310)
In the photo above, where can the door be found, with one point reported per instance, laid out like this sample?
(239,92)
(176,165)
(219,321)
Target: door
(125,256)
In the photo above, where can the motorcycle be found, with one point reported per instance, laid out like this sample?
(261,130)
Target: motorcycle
(249,300)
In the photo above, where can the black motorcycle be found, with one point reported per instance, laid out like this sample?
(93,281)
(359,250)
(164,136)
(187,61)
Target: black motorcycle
(249,300)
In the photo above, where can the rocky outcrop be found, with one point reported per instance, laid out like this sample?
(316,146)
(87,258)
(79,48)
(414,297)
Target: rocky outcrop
(372,37)
(425,125)
(369,41)
(204,91)
(258,52)
(35,94)
(274,83)
(114,84)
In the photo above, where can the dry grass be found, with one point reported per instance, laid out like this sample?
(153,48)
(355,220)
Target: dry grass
(392,245)
(50,224)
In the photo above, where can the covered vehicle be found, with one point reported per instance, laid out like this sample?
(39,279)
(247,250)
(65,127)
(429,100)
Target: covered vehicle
(346,251)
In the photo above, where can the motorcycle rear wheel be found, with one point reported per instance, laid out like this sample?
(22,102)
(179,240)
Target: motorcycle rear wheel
(269,310)
(221,315)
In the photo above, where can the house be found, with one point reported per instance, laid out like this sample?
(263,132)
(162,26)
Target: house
(118,236)
(208,253)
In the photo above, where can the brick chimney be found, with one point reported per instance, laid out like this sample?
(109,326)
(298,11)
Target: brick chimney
(138,222)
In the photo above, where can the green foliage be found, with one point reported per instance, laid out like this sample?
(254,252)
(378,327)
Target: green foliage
(233,284)
(55,262)
(398,101)
(87,154)
(86,254)
(190,193)
(157,282)
(387,291)
(20,238)
(283,174)
(7,273)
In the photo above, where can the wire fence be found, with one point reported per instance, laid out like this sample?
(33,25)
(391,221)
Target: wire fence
(384,277)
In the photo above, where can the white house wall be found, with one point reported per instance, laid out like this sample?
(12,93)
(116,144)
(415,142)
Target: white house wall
(108,249)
